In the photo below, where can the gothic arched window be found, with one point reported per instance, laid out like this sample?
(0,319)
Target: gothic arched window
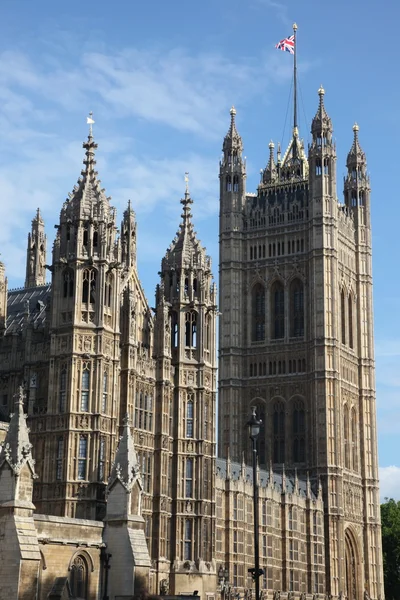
(174,320)
(188,539)
(296,308)
(346,437)
(351,343)
(105,392)
(258,301)
(354,444)
(85,387)
(108,290)
(189,418)
(63,390)
(191,329)
(79,578)
(89,286)
(279,432)
(68,283)
(343,315)
(228,183)
(299,432)
(235,183)
(278,310)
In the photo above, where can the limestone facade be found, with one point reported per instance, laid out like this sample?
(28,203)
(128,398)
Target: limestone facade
(296,337)
(96,362)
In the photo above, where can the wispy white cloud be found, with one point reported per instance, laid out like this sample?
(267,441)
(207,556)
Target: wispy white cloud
(280,9)
(389,482)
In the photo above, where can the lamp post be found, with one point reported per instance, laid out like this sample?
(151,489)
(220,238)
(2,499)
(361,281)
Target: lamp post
(223,578)
(254,426)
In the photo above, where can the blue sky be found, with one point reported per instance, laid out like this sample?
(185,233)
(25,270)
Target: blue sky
(160,78)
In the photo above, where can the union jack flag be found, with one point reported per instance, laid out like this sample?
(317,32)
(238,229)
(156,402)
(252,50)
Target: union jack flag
(286,45)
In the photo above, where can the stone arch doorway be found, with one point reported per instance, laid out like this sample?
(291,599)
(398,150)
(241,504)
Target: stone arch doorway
(352,576)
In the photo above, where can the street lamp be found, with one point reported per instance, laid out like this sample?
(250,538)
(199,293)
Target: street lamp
(254,426)
(223,578)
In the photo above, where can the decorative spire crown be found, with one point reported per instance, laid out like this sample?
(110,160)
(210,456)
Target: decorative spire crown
(16,449)
(356,154)
(321,121)
(232,138)
(126,465)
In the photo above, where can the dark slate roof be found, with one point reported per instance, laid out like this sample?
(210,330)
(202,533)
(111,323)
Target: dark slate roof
(19,300)
(236,470)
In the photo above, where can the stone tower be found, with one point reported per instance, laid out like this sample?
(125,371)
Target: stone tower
(188,292)
(36,254)
(83,383)
(296,337)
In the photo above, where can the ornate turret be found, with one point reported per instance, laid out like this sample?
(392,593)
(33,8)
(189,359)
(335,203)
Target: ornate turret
(17,467)
(124,531)
(356,182)
(128,237)
(270,172)
(125,473)
(36,253)
(321,123)
(232,140)
(322,160)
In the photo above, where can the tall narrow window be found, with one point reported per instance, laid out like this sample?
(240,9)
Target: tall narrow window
(60,458)
(228,184)
(278,310)
(235,183)
(188,539)
(82,457)
(258,301)
(79,578)
(189,418)
(63,390)
(299,433)
(351,321)
(189,478)
(354,445)
(343,315)
(85,387)
(68,283)
(296,308)
(191,329)
(206,420)
(105,392)
(108,291)
(346,437)
(102,458)
(174,324)
(279,432)
(95,239)
(89,286)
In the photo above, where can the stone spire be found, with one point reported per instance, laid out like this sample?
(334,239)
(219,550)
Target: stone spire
(88,190)
(321,122)
(185,248)
(269,174)
(17,467)
(232,139)
(126,465)
(16,450)
(356,156)
(36,253)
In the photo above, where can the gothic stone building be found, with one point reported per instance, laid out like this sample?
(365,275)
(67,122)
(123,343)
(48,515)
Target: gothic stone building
(296,341)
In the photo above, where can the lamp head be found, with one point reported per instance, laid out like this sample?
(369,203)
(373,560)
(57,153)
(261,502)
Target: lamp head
(254,425)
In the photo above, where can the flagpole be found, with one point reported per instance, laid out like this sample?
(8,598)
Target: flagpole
(295,79)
